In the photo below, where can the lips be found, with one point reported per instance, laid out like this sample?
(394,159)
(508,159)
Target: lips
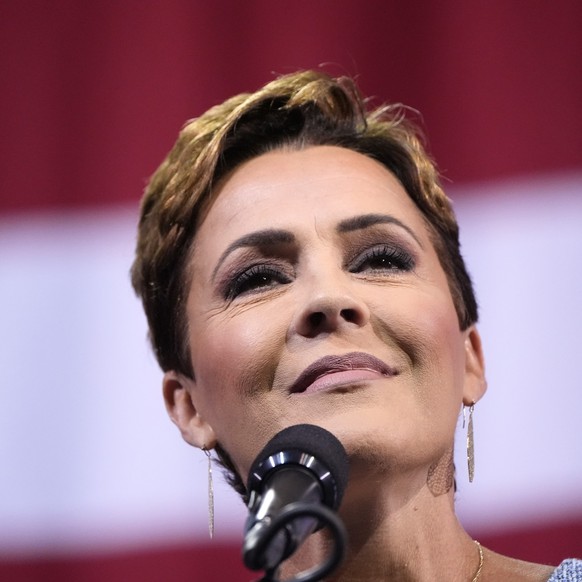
(331,371)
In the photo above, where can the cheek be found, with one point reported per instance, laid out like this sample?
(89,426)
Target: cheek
(234,360)
(425,326)
(237,354)
(443,371)
(442,335)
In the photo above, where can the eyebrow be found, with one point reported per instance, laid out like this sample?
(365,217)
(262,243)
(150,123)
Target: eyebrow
(260,238)
(368,220)
(271,236)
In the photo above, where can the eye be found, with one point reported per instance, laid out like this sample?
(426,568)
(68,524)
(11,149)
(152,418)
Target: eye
(382,259)
(256,278)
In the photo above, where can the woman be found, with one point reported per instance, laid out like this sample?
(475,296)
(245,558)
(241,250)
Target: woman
(299,262)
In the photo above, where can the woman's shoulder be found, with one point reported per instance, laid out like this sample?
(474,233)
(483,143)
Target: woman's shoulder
(500,567)
(568,571)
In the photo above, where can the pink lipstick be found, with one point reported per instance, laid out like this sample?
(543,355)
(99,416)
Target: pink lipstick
(332,371)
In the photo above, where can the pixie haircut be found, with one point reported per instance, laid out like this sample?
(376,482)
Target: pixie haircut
(295,111)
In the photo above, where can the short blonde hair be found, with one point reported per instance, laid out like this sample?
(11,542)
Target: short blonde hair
(299,110)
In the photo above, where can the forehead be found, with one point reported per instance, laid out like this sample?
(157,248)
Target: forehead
(317,186)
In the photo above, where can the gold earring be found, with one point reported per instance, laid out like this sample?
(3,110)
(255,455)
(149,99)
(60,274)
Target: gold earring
(210,494)
(470,443)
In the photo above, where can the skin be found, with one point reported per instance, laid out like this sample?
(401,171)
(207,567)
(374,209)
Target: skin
(270,309)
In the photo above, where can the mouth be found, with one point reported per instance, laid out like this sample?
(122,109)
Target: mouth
(334,371)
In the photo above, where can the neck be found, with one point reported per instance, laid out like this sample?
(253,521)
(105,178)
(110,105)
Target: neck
(396,532)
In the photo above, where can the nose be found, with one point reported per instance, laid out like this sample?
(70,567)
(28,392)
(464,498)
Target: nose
(329,310)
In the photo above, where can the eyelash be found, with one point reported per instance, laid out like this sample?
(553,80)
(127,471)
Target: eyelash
(395,259)
(249,280)
(260,277)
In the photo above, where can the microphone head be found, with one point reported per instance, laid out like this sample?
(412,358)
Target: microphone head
(307,446)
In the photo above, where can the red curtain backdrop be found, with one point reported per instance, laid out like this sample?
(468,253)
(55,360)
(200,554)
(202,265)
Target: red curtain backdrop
(93,94)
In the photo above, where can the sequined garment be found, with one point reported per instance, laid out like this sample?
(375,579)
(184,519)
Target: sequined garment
(568,571)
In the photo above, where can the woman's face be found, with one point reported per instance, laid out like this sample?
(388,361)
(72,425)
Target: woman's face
(317,297)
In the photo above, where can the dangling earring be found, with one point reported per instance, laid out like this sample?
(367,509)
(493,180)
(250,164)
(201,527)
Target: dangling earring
(210,494)
(470,442)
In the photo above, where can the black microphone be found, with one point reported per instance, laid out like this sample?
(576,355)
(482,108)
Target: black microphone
(295,484)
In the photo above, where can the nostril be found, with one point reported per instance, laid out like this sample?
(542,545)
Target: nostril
(325,315)
(349,315)
(316,319)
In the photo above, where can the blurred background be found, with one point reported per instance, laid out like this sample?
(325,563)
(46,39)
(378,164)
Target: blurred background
(95,482)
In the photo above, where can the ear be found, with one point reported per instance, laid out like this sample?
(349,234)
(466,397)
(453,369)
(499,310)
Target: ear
(178,392)
(475,382)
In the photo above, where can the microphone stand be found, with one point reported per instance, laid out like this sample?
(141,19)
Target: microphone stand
(326,517)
